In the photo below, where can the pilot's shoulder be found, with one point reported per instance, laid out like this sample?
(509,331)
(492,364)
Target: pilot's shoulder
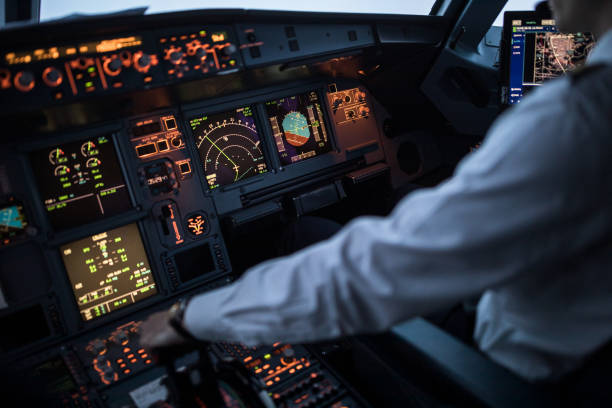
(589,71)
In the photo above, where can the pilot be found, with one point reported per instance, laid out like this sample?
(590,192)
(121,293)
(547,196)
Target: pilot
(526,220)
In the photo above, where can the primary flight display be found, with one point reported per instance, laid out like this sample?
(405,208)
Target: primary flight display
(298,126)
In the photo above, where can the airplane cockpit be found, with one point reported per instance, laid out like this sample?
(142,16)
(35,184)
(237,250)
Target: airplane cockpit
(150,156)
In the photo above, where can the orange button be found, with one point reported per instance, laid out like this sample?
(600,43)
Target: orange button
(134,360)
(127,371)
(140,351)
(144,355)
(119,360)
(130,356)
(148,362)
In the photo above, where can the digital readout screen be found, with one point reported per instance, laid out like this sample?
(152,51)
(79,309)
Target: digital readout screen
(298,127)
(229,146)
(108,271)
(80,182)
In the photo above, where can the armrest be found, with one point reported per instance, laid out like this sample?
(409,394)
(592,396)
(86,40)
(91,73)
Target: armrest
(471,371)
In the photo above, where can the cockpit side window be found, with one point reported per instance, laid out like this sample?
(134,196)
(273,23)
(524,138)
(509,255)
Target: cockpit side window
(514,5)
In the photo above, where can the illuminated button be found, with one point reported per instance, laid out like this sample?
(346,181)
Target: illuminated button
(299,367)
(123,365)
(144,355)
(119,360)
(276,379)
(141,351)
(147,361)
(130,356)
(185,168)
(197,225)
(170,123)
(267,356)
(270,382)
(266,366)
(127,371)
(127,350)
(162,145)
(134,360)
(146,150)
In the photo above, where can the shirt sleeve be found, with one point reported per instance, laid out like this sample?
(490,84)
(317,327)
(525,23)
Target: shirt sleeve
(505,212)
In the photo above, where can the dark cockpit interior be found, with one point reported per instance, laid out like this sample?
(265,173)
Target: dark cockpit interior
(149,157)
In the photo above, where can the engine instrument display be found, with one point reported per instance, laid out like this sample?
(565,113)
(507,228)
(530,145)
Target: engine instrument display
(13,222)
(80,182)
(298,126)
(108,271)
(229,146)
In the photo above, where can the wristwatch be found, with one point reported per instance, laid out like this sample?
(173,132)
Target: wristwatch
(177,313)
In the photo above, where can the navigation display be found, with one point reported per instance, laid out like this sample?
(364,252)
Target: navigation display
(298,127)
(80,182)
(108,271)
(229,146)
(538,52)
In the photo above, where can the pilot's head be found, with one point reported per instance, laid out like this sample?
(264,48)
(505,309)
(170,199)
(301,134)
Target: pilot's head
(583,15)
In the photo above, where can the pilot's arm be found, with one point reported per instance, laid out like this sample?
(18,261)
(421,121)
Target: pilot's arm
(508,210)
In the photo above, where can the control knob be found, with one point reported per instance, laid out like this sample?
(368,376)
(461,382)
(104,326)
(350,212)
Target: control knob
(228,50)
(121,338)
(337,102)
(201,53)
(364,111)
(98,347)
(142,61)
(176,57)
(24,81)
(112,66)
(108,372)
(361,96)
(52,77)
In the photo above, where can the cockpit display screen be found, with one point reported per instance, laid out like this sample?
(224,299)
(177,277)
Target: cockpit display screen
(229,146)
(108,271)
(80,182)
(299,128)
(536,52)
(13,222)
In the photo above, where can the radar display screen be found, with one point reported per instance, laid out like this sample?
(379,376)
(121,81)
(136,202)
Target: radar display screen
(538,52)
(80,182)
(299,128)
(108,271)
(13,222)
(229,146)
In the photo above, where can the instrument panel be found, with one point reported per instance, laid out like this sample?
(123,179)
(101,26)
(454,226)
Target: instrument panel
(115,219)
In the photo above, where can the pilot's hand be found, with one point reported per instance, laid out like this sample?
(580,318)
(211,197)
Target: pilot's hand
(156,333)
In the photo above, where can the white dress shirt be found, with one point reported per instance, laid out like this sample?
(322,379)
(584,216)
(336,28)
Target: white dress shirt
(526,219)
